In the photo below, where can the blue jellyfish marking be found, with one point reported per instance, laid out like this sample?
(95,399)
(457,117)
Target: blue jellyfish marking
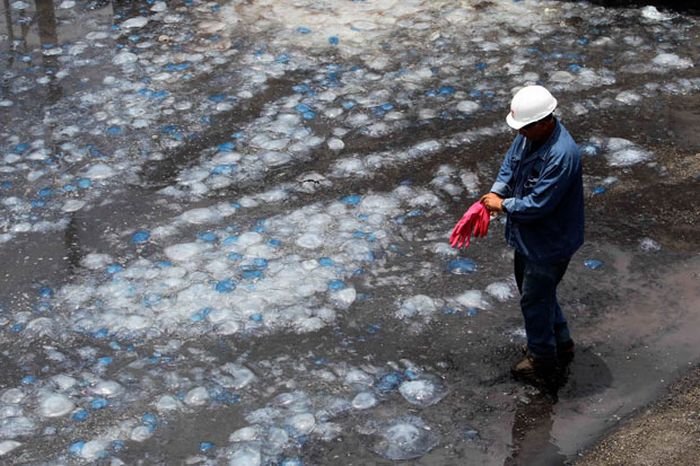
(224,169)
(80,415)
(234,256)
(114,268)
(84,183)
(201,314)
(301,88)
(461,266)
(303,30)
(205,446)
(114,130)
(99,403)
(334,40)
(104,361)
(291,462)
(574,68)
(76,447)
(326,261)
(140,236)
(252,274)
(207,236)
(228,146)
(335,285)
(225,286)
(593,264)
(390,381)
(20,148)
(229,240)
(162,94)
(260,263)
(351,199)
(151,299)
(149,420)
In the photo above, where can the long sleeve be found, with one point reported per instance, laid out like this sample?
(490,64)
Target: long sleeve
(503,186)
(551,186)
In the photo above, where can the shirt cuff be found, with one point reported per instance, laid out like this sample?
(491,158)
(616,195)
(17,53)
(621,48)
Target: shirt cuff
(508,204)
(500,188)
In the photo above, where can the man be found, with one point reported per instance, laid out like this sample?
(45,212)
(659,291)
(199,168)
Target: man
(540,188)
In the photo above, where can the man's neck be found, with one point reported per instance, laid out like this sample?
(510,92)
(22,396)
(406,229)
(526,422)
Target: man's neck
(536,144)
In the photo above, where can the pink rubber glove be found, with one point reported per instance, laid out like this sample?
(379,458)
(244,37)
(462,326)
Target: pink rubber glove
(474,222)
(462,231)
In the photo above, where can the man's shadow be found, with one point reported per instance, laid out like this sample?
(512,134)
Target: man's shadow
(586,375)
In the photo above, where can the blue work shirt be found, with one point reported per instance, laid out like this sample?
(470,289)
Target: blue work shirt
(543,197)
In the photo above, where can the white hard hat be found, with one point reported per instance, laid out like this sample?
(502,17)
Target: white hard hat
(530,104)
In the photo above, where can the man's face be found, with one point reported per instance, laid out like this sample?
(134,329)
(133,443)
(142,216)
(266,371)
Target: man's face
(534,131)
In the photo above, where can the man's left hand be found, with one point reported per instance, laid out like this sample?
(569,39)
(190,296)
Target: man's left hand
(493,202)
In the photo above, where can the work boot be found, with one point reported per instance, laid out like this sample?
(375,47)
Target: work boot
(532,369)
(565,352)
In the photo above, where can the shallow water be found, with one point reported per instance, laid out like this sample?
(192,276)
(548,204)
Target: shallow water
(224,228)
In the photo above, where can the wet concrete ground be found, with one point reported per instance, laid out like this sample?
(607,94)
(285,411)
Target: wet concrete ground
(633,319)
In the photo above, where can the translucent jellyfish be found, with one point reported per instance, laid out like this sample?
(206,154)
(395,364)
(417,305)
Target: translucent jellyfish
(7,446)
(405,438)
(502,291)
(649,245)
(55,405)
(364,400)
(423,392)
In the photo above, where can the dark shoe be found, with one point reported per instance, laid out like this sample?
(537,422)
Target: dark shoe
(565,352)
(530,368)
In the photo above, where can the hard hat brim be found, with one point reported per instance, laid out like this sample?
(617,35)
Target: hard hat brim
(515,124)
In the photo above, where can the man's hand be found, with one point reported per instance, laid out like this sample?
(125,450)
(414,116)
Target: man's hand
(493,202)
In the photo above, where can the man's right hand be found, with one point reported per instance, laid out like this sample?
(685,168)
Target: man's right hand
(493,202)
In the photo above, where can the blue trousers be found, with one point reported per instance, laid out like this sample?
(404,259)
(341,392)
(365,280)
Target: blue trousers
(545,324)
